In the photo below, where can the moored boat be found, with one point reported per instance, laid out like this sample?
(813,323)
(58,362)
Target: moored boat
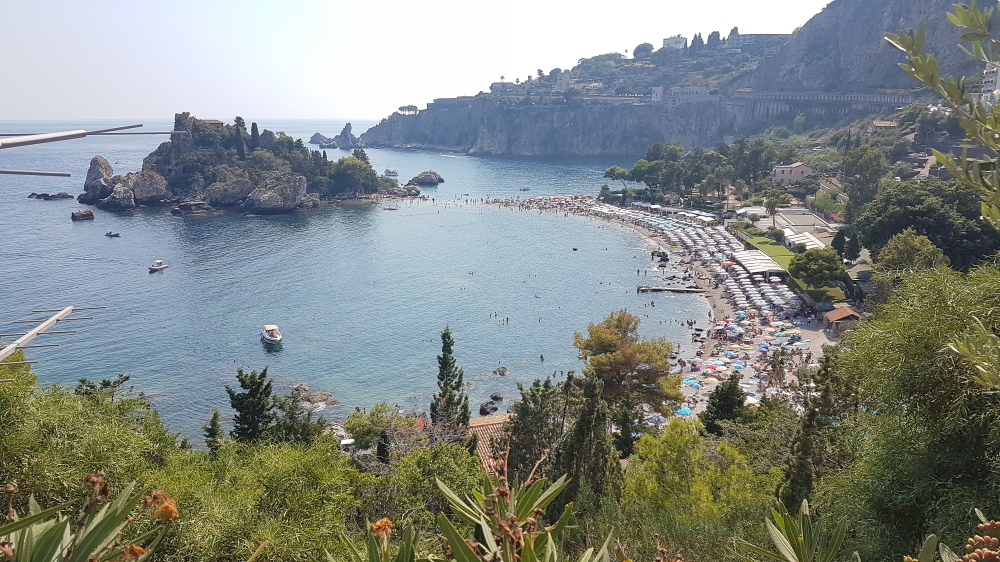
(158,265)
(391,172)
(270,334)
(112,234)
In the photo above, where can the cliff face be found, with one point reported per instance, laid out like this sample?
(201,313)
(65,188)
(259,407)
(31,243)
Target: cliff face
(842,49)
(486,128)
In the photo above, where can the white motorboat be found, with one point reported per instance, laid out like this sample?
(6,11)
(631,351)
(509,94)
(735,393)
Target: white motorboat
(270,334)
(391,172)
(158,265)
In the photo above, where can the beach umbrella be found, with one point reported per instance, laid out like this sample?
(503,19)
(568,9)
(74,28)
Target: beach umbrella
(695,385)
(728,354)
(688,381)
(740,367)
(657,419)
(737,361)
(767,338)
(711,379)
(683,411)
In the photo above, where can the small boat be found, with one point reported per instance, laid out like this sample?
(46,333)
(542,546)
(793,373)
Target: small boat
(391,172)
(158,265)
(112,234)
(525,189)
(270,334)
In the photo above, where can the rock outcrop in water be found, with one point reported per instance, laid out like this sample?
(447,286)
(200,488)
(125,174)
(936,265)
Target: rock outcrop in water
(121,193)
(346,140)
(430,177)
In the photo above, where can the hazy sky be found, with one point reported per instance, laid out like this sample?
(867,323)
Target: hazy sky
(320,58)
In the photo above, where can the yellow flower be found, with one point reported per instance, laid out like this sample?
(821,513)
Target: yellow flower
(382,528)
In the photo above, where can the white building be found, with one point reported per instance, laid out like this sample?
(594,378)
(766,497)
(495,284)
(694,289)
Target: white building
(784,175)
(675,42)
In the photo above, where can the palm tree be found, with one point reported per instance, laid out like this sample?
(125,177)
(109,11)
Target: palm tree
(771,205)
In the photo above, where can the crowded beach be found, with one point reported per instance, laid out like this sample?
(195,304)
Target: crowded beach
(759,328)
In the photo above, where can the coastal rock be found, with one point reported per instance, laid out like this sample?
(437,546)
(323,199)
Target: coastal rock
(487,408)
(99,168)
(496,397)
(148,187)
(309,201)
(193,207)
(82,215)
(231,188)
(316,396)
(318,138)
(430,177)
(337,430)
(276,193)
(500,372)
(96,190)
(121,199)
(346,140)
(47,197)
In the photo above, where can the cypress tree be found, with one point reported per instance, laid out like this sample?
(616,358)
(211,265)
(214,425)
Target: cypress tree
(213,432)
(586,453)
(253,406)
(450,406)
(382,447)
(853,249)
(839,242)
(254,137)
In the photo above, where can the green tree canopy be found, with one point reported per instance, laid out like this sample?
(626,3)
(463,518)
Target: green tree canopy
(726,402)
(923,444)
(907,251)
(817,266)
(864,168)
(642,50)
(353,175)
(946,212)
(626,363)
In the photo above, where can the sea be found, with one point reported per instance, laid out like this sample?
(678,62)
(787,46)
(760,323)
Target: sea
(361,293)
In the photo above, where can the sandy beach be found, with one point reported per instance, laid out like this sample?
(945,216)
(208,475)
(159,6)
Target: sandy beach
(713,354)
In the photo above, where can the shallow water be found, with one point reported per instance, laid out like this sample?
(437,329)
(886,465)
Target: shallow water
(361,293)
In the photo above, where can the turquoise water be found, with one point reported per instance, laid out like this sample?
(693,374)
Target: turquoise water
(361,294)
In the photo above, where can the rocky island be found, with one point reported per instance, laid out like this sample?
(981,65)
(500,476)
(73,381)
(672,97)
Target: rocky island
(209,165)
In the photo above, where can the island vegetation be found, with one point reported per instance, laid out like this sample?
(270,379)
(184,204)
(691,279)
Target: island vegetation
(209,164)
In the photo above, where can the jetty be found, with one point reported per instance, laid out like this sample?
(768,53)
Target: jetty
(651,289)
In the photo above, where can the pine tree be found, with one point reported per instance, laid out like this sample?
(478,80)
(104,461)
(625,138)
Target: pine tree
(450,406)
(839,242)
(586,453)
(725,403)
(255,138)
(213,432)
(853,249)
(240,149)
(253,406)
(293,422)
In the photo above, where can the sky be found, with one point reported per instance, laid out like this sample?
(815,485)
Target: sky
(320,59)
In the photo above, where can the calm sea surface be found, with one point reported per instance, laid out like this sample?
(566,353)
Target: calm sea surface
(361,294)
